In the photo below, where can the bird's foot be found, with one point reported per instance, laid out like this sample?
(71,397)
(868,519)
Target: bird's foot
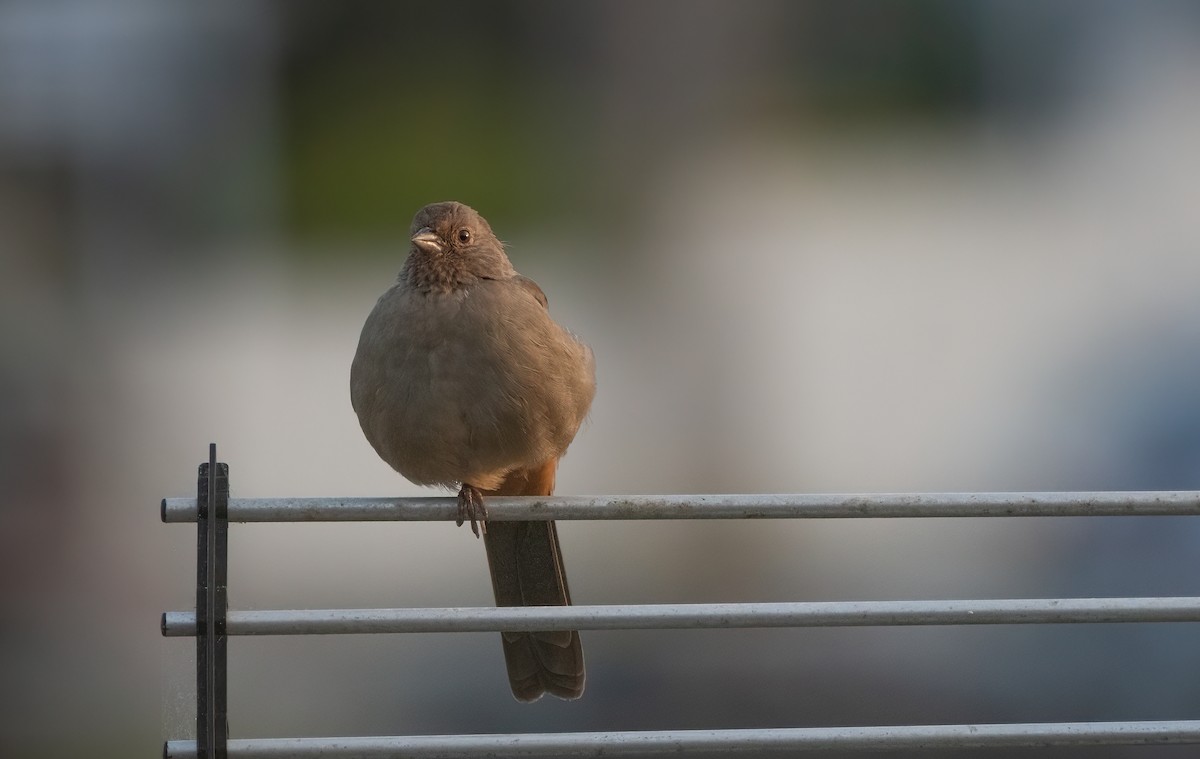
(472,508)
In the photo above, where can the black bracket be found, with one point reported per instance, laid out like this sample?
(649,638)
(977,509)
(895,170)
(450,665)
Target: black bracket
(212,572)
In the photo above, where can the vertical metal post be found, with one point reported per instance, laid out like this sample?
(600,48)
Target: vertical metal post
(212,563)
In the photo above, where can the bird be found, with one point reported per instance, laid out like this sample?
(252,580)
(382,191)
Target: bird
(462,379)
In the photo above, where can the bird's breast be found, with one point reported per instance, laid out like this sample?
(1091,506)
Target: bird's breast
(451,387)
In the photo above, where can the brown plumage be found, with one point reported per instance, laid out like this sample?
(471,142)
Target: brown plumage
(527,570)
(462,379)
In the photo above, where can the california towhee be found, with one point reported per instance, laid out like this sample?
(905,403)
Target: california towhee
(463,380)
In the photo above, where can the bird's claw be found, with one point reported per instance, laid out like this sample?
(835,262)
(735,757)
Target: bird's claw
(472,508)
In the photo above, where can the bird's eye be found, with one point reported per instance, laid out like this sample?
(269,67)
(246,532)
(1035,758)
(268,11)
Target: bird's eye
(464,235)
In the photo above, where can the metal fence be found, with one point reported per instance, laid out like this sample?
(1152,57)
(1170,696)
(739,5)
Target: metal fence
(212,623)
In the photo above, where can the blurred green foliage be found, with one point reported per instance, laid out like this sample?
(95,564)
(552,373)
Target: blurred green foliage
(396,106)
(859,59)
(365,155)
(508,106)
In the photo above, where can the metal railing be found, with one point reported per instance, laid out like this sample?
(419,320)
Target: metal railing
(212,623)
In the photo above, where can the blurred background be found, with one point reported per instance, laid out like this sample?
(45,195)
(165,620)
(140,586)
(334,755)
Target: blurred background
(821,246)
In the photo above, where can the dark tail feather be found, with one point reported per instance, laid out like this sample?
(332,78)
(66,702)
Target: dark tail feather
(527,570)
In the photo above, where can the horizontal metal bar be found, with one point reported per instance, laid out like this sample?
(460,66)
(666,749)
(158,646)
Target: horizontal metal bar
(804,506)
(696,616)
(649,743)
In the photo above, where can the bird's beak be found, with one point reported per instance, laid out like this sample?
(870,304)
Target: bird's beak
(427,240)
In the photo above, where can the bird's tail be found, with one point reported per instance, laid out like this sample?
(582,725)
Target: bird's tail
(527,570)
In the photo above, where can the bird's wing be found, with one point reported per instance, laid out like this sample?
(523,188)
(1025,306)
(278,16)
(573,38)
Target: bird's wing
(533,289)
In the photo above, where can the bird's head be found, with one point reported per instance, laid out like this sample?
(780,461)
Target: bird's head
(451,245)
